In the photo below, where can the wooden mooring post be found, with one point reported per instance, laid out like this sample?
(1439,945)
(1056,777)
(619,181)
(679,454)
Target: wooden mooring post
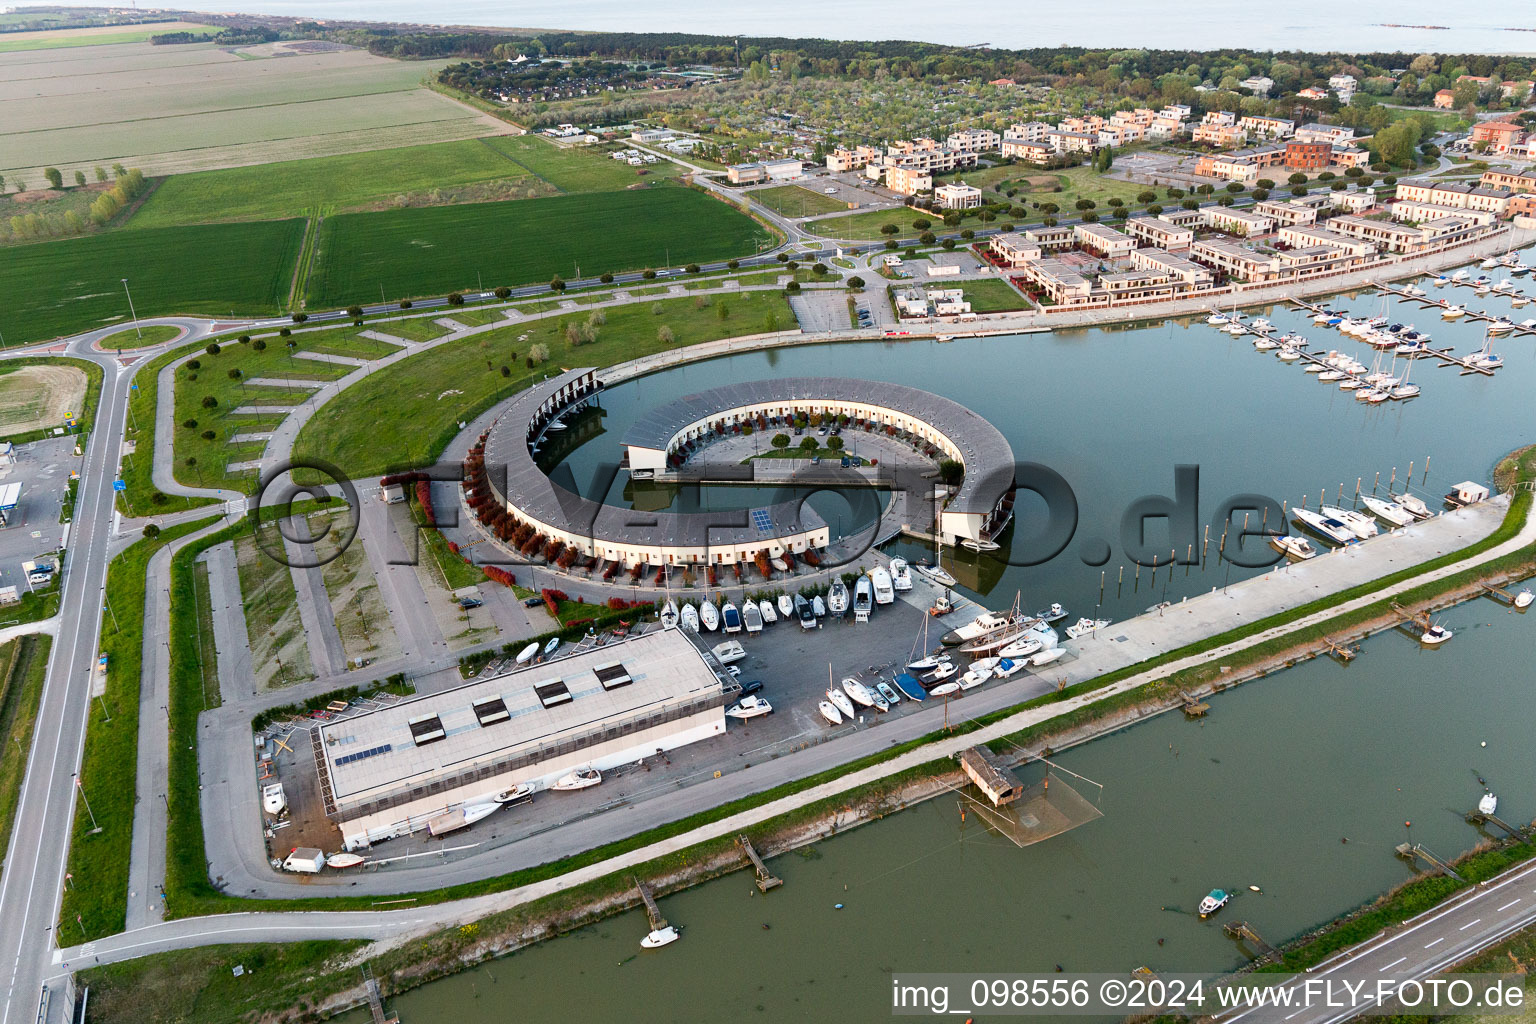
(765,878)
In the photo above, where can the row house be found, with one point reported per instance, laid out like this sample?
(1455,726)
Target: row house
(1059,237)
(1333,134)
(1236,260)
(1137,286)
(1103,241)
(1086,125)
(1354,202)
(1167,128)
(1238,222)
(1013,249)
(1159,233)
(1182,269)
(1410,210)
(1141,117)
(1121,135)
(1060,282)
(1392,236)
(1345,157)
(1519,181)
(1286,213)
(1307,236)
(957,196)
(1459,194)
(1274,127)
(1029,152)
(974,140)
(1183,218)
(1072,142)
(1316,259)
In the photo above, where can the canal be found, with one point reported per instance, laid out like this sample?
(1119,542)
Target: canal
(1300,784)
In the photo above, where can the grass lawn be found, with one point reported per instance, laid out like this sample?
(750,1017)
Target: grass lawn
(865,227)
(23,664)
(404,414)
(348,341)
(279,654)
(296,188)
(76,284)
(416,328)
(993,296)
(141,496)
(433,250)
(141,337)
(452,571)
(578,168)
(109,771)
(210,378)
(478,317)
(795,201)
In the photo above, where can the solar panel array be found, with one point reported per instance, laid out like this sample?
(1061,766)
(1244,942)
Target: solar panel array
(762,520)
(370,752)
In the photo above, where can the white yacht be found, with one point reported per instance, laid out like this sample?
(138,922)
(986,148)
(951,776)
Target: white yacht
(1452,312)
(859,693)
(765,609)
(1524,598)
(863,599)
(1362,526)
(1489,804)
(829,712)
(669,614)
(839,700)
(709,615)
(937,574)
(1500,326)
(730,617)
(1287,354)
(749,707)
(751,617)
(729,652)
(1022,647)
(1325,526)
(978,673)
(1084,627)
(1298,548)
(885,593)
(1264,343)
(1390,511)
(804,612)
(660,937)
(689,618)
(786,606)
(818,607)
(981,625)
(837,598)
(273,799)
(581,778)
(1436,635)
(1413,505)
(901,574)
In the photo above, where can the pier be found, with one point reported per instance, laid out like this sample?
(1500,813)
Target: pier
(1475,315)
(1344,652)
(375,1000)
(1514,831)
(1498,594)
(765,879)
(1245,932)
(652,911)
(1413,852)
(1443,355)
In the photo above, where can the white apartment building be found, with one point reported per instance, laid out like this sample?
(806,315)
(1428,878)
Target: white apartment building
(1159,233)
(974,140)
(958,196)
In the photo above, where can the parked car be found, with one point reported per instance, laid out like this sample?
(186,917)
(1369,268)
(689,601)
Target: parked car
(751,687)
(532,602)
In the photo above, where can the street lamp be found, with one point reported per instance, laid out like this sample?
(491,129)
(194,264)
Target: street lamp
(131,311)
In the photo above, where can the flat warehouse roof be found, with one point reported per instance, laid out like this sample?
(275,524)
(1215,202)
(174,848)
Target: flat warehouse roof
(418,740)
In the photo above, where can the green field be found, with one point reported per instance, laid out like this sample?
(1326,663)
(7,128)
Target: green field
(794,201)
(334,183)
(577,169)
(345,342)
(416,328)
(105,35)
(865,227)
(992,296)
(404,414)
(140,337)
(433,250)
(72,285)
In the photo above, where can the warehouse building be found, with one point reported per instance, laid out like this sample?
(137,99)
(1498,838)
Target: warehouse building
(389,772)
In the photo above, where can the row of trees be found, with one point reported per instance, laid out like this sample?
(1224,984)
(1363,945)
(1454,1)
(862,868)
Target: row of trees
(35,225)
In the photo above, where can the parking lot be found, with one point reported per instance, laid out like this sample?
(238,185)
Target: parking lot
(34,533)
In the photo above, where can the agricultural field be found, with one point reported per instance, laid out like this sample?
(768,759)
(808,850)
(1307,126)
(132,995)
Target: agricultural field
(403,415)
(468,170)
(795,201)
(100,35)
(174,109)
(35,397)
(577,168)
(433,250)
(75,284)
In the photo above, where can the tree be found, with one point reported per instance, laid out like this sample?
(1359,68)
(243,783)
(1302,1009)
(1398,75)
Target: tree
(967,234)
(808,444)
(951,472)
(151,531)
(299,318)
(557,284)
(234,373)
(650,275)
(101,175)
(209,402)
(889,229)
(405,303)
(793,288)
(213,348)
(1264,183)
(208,435)
(855,284)
(730,265)
(1085,205)
(190,424)
(835,443)
(354,311)
(1298,190)
(948,243)
(1225,201)
(506,293)
(259,345)
(927,238)
(692,268)
(1155,209)
(455,299)
(1147,196)
(1261,194)
(1297,179)
(922,224)
(79,179)
(780,441)
(664,335)
(1206,189)
(55,179)
(820,270)
(1234,187)
(1190,204)
(606,279)
(722,311)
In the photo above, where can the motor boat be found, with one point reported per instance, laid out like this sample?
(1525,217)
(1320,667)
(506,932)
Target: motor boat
(1298,548)
(1351,384)
(937,574)
(749,707)
(1414,506)
(751,618)
(1452,313)
(729,652)
(1524,598)
(730,617)
(1085,626)
(927,664)
(839,700)
(880,580)
(980,546)
(660,937)
(1325,525)
(887,691)
(1055,613)
(901,574)
(1265,344)
(688,618)
(981,625)
(341,861)
(273,800)
(1502,325)
(859,693)
(940,672)
(1329,376)
(1485,360)
(1488,264)
(837,598)
(1047,656)
(765,609)
(552,646)
(1390,511)
(521,791)
(818,607)
(527,654)
(779,564)
(1410,347)
(1214,901)
(804,612)
(669,615)
(977,674)
(1007,667)
(786,606)
(1489,804)
(709,615)
(581,778)
(1287,354)
(1361,525)
(829,712)
(1461,275)
(863,599)
(944,690)
(910,687)
(1435,635)
(1217,319)
(1022,647)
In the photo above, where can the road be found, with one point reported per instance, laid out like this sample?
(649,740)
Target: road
(1421,947)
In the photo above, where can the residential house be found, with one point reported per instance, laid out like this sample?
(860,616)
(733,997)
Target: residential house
(1520,181)
(1346,157)
(1274,127)
(1030,131)
(1013,249)
(1445,99)
(974,140)
(1183,218)
(1003,83)
(1312,92)
(1159,233)
(1060,282)
(1072,142)
(1238,222)
(1459,194)
(1259,85)
(1180,268)
(1308,236)
(1516,90)
(1354,202)
(1412,211)
(1497,136)
(1344,86)
(1103,241)
(957,196)
(1392,236)
(1236,260)
(1059,237)
(1286,213)
(1029,152)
